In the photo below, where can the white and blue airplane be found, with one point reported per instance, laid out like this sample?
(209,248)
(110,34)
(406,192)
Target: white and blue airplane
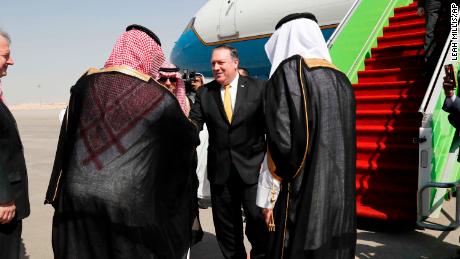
(246,25)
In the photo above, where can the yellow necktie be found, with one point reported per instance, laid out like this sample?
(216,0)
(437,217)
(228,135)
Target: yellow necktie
(228,103)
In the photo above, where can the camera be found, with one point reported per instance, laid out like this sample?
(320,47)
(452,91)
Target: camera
(449,70)
(188,77)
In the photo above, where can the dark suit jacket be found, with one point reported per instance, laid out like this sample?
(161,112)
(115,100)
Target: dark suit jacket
(13,173)
(453,108)
(241,143)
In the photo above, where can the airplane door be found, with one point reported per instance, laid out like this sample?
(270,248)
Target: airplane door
(227,23)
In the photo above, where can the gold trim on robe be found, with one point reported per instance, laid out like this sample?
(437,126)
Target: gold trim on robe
(122,69)
(307,147)
(317,62)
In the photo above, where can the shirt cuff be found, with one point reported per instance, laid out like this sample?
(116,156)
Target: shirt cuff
(268,188)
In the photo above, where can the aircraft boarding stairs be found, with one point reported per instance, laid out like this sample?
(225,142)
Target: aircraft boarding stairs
(385,63)
(439,170)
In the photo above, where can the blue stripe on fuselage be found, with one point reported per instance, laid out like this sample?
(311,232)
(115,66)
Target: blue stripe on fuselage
(190,53)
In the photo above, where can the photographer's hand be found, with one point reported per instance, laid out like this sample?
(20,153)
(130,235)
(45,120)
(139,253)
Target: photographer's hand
(449,87)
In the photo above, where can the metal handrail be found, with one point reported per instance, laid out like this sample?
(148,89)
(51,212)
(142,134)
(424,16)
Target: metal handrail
(427,107)
(421,220)
(382,18)
(431,95)
(351,11)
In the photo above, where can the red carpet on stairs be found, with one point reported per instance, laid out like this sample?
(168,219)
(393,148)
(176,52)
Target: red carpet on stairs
(388,94)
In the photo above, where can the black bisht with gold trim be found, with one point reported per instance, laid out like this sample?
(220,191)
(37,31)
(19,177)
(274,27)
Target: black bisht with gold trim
(310,118)
(122,178)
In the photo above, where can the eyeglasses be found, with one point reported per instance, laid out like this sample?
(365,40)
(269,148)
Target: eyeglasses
(164,79)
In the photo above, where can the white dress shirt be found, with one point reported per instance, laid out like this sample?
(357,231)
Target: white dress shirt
(233,91)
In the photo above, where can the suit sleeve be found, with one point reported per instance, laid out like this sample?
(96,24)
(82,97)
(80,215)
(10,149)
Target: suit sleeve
(452,105)
(196,113)
(6,193)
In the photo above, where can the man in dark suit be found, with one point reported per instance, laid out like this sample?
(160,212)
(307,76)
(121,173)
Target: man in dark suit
(452,106)
(429,8)
(14,198)
(231,107)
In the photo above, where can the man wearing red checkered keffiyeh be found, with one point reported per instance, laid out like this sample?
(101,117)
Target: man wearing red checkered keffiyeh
(170,77)
(121,181)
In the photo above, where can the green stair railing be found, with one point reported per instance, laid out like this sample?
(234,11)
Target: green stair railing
(359,34)
(437,164)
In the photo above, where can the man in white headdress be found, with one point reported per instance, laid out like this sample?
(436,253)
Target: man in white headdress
(308,195)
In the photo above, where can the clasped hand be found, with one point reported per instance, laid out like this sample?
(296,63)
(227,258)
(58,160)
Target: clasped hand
(7,212)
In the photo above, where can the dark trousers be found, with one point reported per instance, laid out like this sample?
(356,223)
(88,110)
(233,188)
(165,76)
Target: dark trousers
(432,8)
(10,239)
(226,201)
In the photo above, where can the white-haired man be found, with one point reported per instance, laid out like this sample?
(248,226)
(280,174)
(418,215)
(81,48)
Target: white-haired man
(14,196)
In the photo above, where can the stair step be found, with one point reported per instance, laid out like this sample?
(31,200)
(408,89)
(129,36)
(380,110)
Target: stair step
(404,38)
(388,117)
(386,85)
(402,182)
(412,119)
(399,19)
(383,184)
(374,166)
(385,113)
(410,87)
(407,154)
(417,26)
(386,98)
(387,214)
(405,105)
(388,129)
(384,147)
(414,61)
(387,133)
(389,91)
(405,9)
(403,50)
(389,74)
(386,157)
(389,199)
(392,138)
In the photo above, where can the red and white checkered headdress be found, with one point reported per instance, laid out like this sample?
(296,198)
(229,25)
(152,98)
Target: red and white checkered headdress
(137,50)
(179,92)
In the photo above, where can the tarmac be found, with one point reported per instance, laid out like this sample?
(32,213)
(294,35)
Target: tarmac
(39,130)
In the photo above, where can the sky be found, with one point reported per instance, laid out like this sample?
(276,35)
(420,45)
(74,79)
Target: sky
(54,41)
